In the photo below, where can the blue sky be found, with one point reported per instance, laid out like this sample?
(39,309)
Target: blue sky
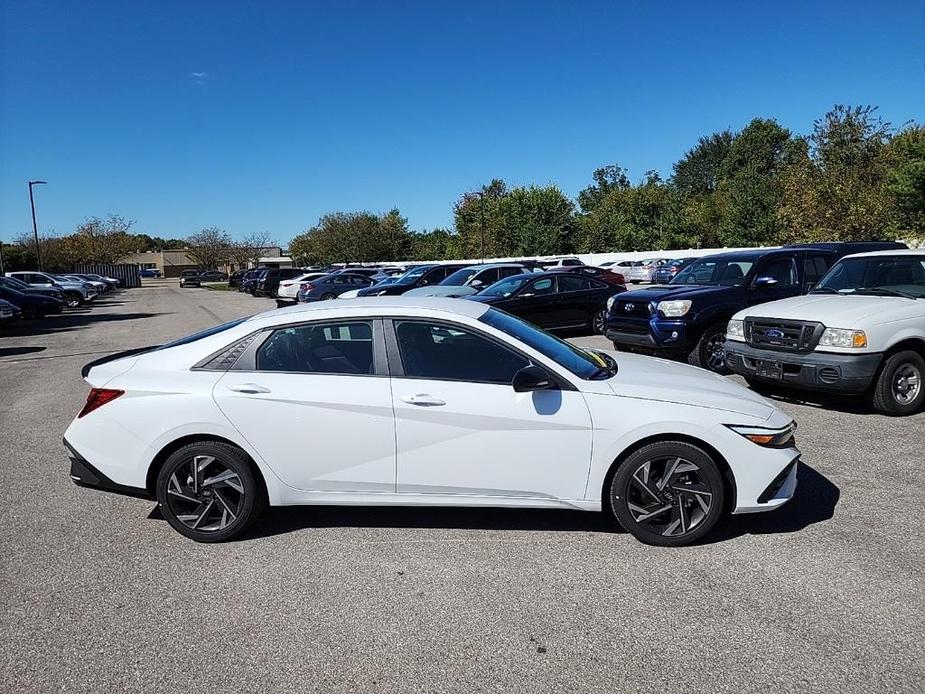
(266,115)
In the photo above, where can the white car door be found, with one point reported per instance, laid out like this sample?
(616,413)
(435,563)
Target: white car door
(462,429)
(316,404)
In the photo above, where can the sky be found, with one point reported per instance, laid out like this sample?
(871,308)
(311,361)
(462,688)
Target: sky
(258,116)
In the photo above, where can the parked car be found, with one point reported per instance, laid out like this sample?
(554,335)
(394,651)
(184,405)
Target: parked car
(190,278)
(331,286)
(552,300)
(149,272)
(687,319)
(213,276)
(32,305)
(385,273)
(246,283)
(267,284)
(110,282)
(75,293)
(643,270)
(469,280)
(9,313)
(235,277)
(604,274)
(665,272)
(365,271)
(860,331)
(289,289)
(561,262)
(20,286)
(419,276)
(98,285)
(354,293)
(667,449)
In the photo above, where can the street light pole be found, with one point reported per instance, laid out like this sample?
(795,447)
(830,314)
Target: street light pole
(481,194)
(35,229)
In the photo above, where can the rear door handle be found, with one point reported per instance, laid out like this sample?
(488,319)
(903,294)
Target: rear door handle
(250,388)
(423,400)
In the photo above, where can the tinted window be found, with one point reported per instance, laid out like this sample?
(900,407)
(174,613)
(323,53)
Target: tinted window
(815,266)
(506,287)
(539,288)
(460,277)
(726,270)
(781,269)
(877,274)
(573,283)
(435,351)
(510,271)
(329,348)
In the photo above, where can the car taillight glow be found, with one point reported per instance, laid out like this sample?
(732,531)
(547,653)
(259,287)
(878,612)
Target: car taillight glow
(307,286)
(97,398)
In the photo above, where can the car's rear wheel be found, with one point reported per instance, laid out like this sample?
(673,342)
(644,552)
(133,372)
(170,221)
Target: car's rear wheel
(899,389)
(710,352)
(208,491)
(599,321)
(668,493)
(328,296)
(73,300)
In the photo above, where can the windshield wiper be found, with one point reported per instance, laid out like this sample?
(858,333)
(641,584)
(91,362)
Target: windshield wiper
(884,291)
(825,290)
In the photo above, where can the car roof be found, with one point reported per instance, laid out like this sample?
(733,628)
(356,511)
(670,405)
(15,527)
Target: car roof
(372,306)
(898,251)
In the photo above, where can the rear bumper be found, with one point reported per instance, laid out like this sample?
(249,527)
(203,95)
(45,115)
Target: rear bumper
(83,474)
(836,373)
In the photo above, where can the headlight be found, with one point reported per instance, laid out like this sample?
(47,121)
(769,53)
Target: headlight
(610,302)
(769,438)
(735,330)
(674,308)
(839,337)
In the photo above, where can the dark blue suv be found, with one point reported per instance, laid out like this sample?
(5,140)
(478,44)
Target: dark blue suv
(687,319)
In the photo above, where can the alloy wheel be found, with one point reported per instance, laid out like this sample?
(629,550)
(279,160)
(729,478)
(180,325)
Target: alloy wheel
(669,496)
(600,321)
(72,302)
(204,494)
(907,384)
(716,352)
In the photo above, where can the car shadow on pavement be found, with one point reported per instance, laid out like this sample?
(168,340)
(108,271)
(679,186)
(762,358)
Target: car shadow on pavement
(18,351)
(70,321)
(849,404)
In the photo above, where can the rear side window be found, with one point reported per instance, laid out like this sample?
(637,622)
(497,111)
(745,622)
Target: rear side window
(330,348)
(573,283)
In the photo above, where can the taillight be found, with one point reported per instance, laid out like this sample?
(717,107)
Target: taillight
(306,286)
(97,398)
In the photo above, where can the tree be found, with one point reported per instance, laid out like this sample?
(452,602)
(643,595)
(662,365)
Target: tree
(344,237)
(250,249)
(906,179)
(437,244)
(835,184)
(209,247)
(99,241)
(606,179)
(698,171)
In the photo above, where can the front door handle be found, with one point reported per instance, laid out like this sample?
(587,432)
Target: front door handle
(250,388)
(423,400)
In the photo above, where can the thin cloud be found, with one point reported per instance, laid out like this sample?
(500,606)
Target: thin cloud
(200,77)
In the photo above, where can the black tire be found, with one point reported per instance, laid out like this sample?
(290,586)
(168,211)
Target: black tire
(599,321)
(328,296)
(705,355)
(73,300)
(899,389)
(235,510)
(699,484)
(274,293)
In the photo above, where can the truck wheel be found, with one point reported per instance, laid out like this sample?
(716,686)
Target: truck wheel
(899,389)
(709,353)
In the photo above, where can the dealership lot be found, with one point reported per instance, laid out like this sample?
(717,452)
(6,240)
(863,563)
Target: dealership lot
(99,593)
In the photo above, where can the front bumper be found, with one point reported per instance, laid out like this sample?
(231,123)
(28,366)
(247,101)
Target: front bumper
(656,335)
(836,373)
(83,474)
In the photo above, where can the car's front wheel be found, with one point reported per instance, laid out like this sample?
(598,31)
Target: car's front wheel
(710,352)
(668,493)
(899,389)
(73,300)
(208,491)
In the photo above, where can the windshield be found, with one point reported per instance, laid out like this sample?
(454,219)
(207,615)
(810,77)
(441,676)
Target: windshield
(460,277)
(414,273)
(586,365)
(727,271)
(13,282)
(901,275)
(505,287)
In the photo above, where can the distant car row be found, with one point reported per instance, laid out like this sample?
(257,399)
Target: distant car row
(35,294)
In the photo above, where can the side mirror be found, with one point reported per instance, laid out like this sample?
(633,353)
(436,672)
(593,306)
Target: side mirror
(532,378)
(765,282)
(475,284)
(423,283)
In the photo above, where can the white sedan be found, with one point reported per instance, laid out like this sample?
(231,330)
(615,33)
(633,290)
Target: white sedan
(289,289)
(424,402)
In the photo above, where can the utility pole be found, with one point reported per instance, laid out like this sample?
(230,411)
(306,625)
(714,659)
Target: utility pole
(35,229)
(481,194)
(2,268)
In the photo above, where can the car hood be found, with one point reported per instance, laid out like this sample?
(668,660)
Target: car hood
(441,290)
(842,311)
(648,378)
(676,291)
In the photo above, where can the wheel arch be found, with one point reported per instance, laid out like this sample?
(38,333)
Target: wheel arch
(913,344)
(158,462)
(728,478)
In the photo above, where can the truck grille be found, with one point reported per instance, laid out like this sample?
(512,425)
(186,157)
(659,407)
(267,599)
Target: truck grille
(793,336)
(631,309)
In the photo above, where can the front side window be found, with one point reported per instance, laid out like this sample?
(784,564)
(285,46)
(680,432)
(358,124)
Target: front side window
(727,271)
(540,287)
(440,352)
(460,277)
(780,269)
(506,287)
(328,348)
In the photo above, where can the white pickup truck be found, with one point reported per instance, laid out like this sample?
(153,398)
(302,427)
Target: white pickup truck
(861,330)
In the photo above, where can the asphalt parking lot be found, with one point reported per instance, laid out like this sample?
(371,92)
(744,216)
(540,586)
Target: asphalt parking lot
(99,594)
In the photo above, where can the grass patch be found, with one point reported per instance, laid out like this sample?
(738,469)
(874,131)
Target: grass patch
(219,287)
